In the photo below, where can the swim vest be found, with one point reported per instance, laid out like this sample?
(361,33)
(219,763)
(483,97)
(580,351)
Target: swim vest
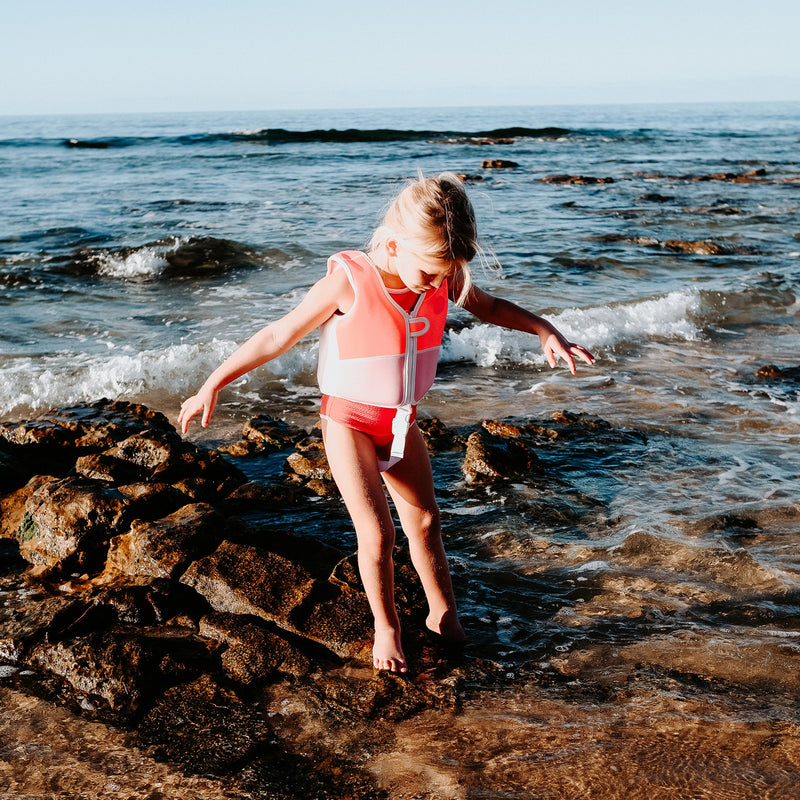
(378,353)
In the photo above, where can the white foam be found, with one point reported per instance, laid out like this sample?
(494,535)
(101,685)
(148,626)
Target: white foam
(37,384)
(604,327)
(142,263)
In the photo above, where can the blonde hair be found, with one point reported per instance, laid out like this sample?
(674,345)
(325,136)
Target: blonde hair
(434,218)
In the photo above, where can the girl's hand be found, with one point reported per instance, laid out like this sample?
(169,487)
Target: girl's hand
(554,345)
(204,401)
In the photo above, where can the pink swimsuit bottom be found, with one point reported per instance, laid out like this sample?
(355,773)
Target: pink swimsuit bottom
(374,421)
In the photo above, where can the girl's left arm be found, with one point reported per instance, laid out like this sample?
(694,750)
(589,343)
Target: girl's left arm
(497,311)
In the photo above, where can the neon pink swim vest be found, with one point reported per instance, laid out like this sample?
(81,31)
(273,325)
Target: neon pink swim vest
(378,353)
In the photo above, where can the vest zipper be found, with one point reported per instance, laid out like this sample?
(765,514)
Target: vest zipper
(410,370)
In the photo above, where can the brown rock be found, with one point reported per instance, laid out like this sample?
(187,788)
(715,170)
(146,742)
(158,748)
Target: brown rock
(491,457)
(576,180)
(12,506)
(247,580)
(310,461)
(96,425)
(772,373)
(204,726)
(163,549)
(498,163)
(253,652)
(111,669)
(69,520)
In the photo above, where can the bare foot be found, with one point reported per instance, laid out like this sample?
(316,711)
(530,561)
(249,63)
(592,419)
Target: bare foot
(447,626)
(387,652)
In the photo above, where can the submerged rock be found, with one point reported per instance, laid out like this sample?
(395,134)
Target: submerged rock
(498,163)
(575,180)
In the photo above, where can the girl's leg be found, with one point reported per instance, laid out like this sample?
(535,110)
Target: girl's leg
(410,483)
(354,465)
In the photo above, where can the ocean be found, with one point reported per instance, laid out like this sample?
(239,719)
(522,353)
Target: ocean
(137,252)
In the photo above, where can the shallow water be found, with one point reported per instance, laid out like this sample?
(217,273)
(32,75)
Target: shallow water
(643,593)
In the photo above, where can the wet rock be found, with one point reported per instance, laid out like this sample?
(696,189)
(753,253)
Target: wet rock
(704,247)
(309,461)
(491,457)
(264,434)
(104,467)
(247,580)
(256,496)
(466,178)
(164,548)
(119,670)
(783,374)
(654,197)
(11,473)
(339,619)
(67,522)
(575,180)
(112,670)
(437,436)
(736,569)
(87,426)
(209,255)
(151,500)
(381,696)
(253,652)
(12,506)
(751,176)
(41,616)
(204,726)
(498,163)
(145,602)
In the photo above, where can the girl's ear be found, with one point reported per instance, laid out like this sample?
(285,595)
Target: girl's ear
(390,243)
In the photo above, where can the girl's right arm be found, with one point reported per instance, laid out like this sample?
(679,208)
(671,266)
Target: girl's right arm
(329,295)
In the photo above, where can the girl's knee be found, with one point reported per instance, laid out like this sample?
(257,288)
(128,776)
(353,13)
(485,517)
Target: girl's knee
(425,525)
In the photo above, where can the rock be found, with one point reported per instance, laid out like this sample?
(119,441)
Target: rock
(341,620)
(436,435)
(703,247)
(152,500)
(253,652)
(576,180)
(43,616)
(208,255)
(491,457)
(247,580)
(255,496)
(654,198)
(121,669)
(164,548)
(12,506)
(498,163)
(204,726)
(309,461)
(103,467)
(67,522)
(95,426)
(108,668)
(465,178)
(772,373)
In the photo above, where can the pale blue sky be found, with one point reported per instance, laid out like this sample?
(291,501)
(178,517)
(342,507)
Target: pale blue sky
(85,56)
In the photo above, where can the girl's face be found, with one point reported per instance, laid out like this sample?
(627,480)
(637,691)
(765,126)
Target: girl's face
(419,273)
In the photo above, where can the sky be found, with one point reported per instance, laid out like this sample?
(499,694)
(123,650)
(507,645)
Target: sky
(114,56)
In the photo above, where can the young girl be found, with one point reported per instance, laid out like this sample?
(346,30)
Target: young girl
(382,316)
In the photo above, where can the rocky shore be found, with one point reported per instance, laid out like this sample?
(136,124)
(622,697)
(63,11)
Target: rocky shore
(137,592)
(148,585)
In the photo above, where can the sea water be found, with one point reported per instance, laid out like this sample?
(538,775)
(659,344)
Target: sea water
(137,252)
